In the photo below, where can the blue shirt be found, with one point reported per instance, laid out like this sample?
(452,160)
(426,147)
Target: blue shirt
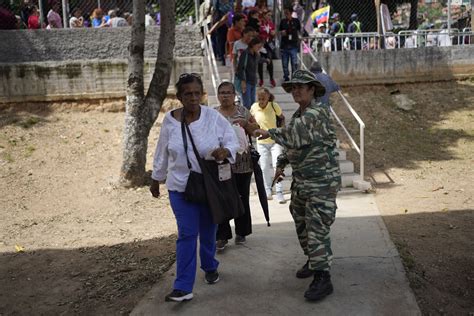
(329,84)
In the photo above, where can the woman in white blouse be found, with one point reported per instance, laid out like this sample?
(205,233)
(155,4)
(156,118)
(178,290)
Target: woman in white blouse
(213,135)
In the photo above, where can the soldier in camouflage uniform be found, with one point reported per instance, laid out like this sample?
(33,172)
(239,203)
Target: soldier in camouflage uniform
(309,143)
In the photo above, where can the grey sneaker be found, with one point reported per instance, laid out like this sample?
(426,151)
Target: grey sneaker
(240,240)
(280,198)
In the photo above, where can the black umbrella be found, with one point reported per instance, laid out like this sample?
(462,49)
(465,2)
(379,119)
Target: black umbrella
(258,174)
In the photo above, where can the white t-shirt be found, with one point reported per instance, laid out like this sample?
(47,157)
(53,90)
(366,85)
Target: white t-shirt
(209,132)
(117,22)
(75,22)
(238,49)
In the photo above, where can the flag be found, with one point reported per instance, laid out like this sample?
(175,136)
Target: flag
(321,15)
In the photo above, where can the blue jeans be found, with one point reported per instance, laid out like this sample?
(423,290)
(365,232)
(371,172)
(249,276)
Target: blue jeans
(248,98)
(286,54)
(193,220)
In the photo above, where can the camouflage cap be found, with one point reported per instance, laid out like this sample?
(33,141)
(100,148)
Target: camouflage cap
(305,77)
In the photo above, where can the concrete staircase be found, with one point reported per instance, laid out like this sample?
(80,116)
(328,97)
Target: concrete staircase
(350,179)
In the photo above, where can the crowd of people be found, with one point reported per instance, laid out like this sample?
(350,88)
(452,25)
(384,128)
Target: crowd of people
(29,17)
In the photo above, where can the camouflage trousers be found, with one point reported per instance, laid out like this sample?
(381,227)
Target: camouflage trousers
(313,215)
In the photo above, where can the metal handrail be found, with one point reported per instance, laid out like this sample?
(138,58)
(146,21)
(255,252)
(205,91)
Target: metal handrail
(359,148)
(211,60)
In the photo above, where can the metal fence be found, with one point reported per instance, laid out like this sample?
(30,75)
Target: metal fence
(85,11)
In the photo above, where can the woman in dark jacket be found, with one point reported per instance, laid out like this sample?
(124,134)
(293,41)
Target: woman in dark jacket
(247,72)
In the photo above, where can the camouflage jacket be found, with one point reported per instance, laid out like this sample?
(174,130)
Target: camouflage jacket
(309,141)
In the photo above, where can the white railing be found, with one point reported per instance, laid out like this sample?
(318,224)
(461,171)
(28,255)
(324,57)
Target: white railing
(403,39)
(211,60)
(358,148)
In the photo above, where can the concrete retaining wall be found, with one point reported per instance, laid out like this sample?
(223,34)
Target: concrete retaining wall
(22,46)
(79,79)
(399,65)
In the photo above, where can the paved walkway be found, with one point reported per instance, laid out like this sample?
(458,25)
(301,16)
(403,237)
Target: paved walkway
(259,277)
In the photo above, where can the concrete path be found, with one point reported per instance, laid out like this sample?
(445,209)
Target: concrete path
(259,277)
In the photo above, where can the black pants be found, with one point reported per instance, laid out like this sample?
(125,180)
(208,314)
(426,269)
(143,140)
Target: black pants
(243,224)
(221,40)
(267,56)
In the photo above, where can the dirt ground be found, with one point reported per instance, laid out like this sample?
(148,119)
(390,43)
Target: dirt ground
(421,163)
(72,242)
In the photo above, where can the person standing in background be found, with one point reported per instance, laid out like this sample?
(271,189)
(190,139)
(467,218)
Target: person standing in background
(355,27)
(329,84)
(267,35)
(235,33)
(289,30)
(265,112)
(247,71)
(53,17)
(34,19)
(76,21)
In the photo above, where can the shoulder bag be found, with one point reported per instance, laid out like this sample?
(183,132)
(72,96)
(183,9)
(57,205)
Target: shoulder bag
(218,186)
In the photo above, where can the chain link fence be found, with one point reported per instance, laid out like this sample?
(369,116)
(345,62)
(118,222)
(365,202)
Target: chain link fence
(33,14)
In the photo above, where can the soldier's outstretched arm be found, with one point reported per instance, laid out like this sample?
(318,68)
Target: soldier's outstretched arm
(306,130)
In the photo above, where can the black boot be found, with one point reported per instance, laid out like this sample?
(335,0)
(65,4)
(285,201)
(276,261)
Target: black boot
(320,287)
(304,272)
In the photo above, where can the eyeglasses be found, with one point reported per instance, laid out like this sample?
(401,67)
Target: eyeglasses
(191,74)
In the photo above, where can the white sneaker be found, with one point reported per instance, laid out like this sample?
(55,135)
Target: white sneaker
(280,198)
(269,195)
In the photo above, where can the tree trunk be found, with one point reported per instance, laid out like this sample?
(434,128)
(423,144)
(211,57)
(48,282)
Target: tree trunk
(164,63)
(141,111)
(413,15)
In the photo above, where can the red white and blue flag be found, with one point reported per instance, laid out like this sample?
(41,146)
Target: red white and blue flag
(321,15)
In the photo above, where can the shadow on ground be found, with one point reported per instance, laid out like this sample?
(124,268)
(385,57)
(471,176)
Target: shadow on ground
(88,281)
(438,256)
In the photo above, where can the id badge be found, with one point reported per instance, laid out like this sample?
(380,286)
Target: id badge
(290,37)
(224,172)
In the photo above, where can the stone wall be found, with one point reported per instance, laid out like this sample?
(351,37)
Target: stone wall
(398,65)
(78,79)
(23,46)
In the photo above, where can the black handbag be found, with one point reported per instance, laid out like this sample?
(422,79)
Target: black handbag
(195,191)
(221,194)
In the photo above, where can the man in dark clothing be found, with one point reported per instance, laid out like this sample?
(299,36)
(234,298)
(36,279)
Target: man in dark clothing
(289,30)
(355,27)
(329,84)
(221,8)
(337,27)
(7,20)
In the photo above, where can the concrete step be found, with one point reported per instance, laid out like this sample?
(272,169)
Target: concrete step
(349,178)
(346,166)
(342,154)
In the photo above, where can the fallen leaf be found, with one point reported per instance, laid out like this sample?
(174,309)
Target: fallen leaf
(19,248)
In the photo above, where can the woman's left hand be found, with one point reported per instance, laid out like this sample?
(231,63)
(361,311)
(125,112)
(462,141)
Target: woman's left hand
(220,153)
(242,122)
